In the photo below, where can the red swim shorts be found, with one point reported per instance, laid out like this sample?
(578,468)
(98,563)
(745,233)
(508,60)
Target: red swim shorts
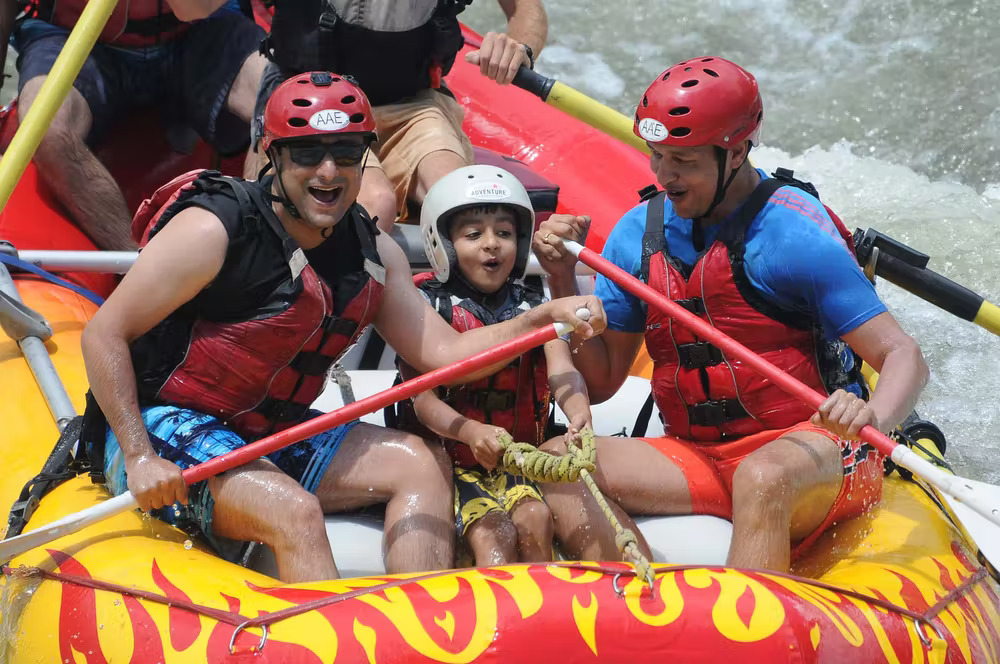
(709,470)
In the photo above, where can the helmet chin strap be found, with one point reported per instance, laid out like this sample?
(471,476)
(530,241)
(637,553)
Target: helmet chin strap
(283,195)
(723,184)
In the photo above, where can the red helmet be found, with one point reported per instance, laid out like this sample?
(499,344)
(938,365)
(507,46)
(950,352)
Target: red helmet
(705,101)
(316,104)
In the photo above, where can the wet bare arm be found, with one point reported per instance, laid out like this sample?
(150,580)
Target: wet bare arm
(171,270)
(426,342)
(527,23)
(567,384)
(434,413)
(903,373)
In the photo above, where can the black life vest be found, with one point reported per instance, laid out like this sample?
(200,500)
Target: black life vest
(309,35)
(259,365)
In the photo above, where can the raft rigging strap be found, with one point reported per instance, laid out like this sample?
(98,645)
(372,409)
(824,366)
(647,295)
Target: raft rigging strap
(262,621)
(15,262)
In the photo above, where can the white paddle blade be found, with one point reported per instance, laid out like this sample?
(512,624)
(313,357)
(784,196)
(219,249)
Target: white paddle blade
(983,533)
(15,546)
(961,489)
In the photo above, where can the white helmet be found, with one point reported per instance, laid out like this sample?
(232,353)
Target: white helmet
(467,187)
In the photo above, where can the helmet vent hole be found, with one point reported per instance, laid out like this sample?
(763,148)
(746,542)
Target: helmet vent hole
(471,176)
(707,59)
(760,115)
(645,101)
(687,69)
(302,82)
(336,79)
(711,73)
(349,99)
(680,132)
(665,76)
(357,117)
(303,103)
(689,84)
(680,110)
(298,122)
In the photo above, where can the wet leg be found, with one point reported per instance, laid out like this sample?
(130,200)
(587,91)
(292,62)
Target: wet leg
(77,179)
(492,539)
(376,465)
(258,502)
(782,492)
(533,521)
(634,477)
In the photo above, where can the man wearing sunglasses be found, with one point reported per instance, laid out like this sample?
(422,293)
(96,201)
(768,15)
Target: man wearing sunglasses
(225,327)
(399,53)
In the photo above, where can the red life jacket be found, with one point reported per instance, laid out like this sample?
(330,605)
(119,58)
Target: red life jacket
(516,397)
(133,23)
(258,370)
(703,395)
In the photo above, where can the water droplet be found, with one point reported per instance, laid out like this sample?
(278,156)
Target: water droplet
(371,488)
(850,497)
(117,602)
(101,626)
(188,544)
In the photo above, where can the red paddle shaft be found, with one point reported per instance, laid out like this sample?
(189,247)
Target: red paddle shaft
(786,382)
(410,388)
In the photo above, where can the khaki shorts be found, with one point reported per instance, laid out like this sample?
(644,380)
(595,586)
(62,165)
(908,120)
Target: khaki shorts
(411,130)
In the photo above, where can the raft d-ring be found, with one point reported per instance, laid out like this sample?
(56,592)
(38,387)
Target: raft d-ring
(614,584)
(242,626)
(928,643)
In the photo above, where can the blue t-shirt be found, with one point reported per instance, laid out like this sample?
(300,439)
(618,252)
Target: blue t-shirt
(794,256)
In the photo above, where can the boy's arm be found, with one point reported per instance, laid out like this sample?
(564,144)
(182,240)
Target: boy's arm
(446,422)
(568,386)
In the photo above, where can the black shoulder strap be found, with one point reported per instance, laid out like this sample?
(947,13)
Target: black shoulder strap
(736,226)
(653,239)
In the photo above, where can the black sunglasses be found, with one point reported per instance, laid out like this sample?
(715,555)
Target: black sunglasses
(344,153)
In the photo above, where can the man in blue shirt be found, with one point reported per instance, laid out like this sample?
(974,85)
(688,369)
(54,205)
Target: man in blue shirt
(765,264)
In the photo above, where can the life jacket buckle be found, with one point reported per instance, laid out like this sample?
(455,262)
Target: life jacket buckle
(698,355)
(715,413)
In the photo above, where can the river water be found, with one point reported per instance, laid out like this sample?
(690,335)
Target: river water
(892,108)
(889,107)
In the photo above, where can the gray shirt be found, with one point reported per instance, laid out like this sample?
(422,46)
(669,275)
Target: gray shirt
(385,15)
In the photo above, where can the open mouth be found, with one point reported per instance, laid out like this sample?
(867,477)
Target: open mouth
(676,194)
(491,264)
(326,196)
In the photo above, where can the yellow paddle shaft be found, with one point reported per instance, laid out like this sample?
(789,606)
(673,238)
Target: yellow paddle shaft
(988,317)
(79,44)
(594,113)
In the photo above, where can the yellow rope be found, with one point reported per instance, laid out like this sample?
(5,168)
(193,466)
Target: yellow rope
(539,466)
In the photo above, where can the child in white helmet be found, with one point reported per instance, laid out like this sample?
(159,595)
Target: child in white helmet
(476,224)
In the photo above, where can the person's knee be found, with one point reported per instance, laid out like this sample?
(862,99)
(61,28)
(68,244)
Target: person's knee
(422,463)
(299,514)
(493,539)
(533,517)
(764,483)
(556,446)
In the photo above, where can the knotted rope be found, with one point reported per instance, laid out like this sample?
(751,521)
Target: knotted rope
(578,463)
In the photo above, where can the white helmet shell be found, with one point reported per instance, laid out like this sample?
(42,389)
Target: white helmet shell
(473,186)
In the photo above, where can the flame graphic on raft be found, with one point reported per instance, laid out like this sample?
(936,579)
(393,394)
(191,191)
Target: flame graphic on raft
(527,613)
